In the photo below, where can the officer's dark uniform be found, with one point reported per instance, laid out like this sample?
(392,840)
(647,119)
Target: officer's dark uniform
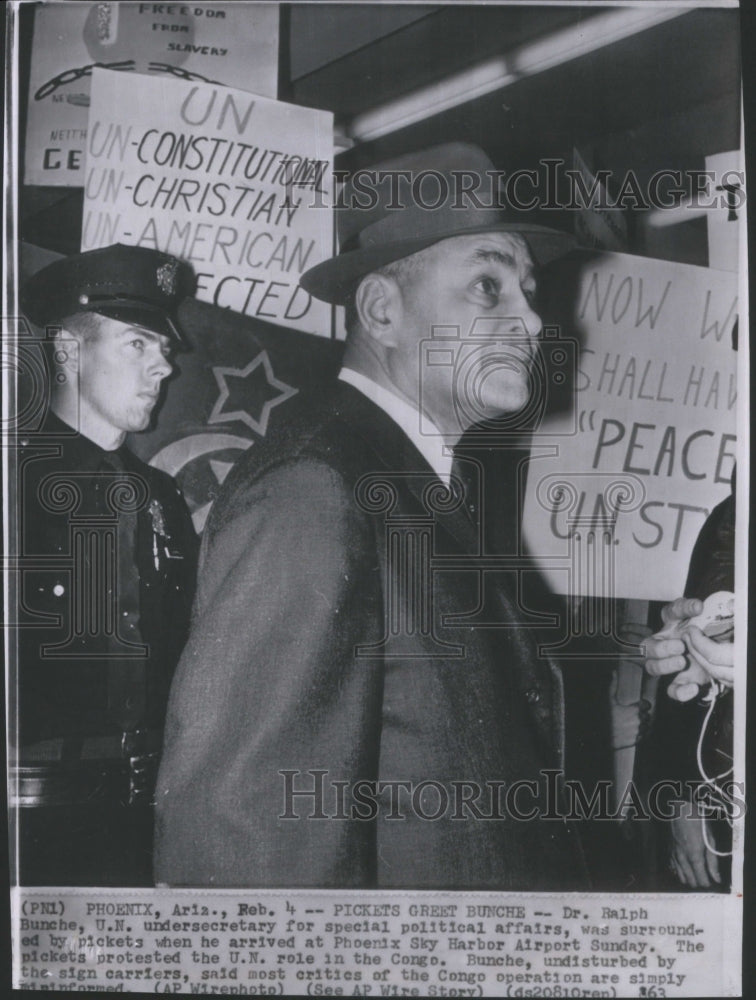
(107,553)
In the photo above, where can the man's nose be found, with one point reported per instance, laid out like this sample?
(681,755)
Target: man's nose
(526,319)
(158,365)
(531,321)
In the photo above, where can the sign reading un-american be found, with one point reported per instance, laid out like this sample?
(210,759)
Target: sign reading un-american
(237,185)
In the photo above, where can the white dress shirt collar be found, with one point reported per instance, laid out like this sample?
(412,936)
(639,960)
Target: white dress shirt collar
(431,446)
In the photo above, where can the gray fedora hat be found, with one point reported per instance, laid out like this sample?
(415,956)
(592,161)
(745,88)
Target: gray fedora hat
(395,208)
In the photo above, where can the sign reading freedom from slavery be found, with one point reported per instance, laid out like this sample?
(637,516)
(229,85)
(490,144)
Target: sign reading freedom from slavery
(229,43)
(620,484)
(237,185)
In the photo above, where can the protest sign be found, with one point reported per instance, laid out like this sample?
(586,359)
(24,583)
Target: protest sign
(236,185)
(648,448)
(231,44)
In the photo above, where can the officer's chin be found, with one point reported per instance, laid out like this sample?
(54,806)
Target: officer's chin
(139,421)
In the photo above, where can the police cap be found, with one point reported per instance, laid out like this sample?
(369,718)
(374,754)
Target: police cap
(131,284)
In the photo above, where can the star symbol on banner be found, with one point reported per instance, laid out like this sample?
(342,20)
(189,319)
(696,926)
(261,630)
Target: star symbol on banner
(232,393)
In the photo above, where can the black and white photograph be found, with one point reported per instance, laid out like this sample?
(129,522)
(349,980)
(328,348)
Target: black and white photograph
(376,490)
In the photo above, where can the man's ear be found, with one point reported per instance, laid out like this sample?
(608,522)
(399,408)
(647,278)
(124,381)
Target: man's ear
(66,347)
(378,307)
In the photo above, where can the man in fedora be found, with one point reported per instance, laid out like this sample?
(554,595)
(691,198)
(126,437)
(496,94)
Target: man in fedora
(357,704)
(109,552)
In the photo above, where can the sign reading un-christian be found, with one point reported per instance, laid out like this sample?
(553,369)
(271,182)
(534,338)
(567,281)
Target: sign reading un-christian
(237,185)
(621,482)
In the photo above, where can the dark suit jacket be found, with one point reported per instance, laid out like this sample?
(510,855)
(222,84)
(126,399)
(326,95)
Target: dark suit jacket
(322,640)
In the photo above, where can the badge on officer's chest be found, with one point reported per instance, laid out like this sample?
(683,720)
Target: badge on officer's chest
(161,538)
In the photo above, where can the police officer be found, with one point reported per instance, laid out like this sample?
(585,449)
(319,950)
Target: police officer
(107,552)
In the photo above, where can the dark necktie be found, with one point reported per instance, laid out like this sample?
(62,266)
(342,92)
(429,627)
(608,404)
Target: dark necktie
(127,660)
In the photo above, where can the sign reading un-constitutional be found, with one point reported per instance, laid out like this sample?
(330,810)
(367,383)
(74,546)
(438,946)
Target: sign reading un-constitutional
(621,481)
(237,185)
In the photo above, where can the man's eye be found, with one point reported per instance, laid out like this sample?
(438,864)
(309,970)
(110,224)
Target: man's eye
(137,343)
(488,286)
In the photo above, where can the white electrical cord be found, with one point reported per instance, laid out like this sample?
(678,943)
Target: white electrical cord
(718,797)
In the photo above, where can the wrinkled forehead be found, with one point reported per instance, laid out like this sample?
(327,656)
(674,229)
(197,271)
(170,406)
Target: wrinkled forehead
(520,249)
(510,248)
